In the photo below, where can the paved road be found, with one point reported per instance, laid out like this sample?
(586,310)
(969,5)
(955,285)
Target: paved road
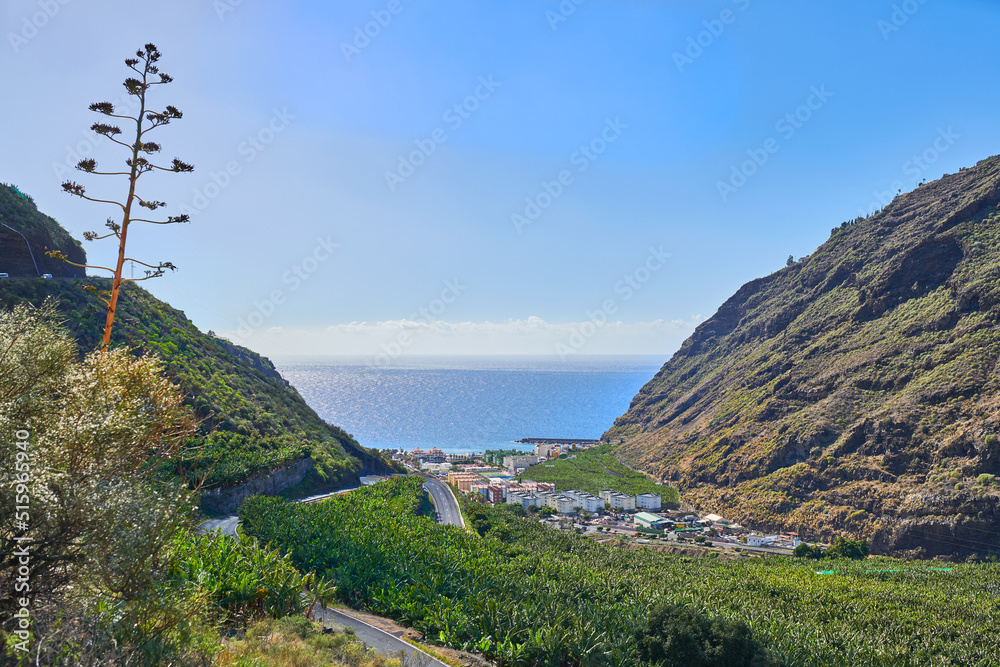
(444,502)
(378,639)
(227,524)
(743,547)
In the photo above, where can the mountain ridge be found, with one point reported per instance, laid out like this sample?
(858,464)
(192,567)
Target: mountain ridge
(834,395)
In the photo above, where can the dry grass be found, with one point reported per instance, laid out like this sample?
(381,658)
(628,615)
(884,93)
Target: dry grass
(295,641)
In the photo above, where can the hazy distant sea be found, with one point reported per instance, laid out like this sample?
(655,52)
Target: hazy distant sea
(464,404)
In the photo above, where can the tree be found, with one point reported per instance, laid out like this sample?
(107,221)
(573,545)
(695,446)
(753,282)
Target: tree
(790,261)
(479,520)
(680,635)
(517,510)
(138,164)
(99,518)
(847,548)
(810,551)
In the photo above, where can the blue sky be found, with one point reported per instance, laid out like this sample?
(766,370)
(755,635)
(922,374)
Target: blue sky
(580,199)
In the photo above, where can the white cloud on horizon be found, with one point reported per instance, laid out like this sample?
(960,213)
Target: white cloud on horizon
(533,335)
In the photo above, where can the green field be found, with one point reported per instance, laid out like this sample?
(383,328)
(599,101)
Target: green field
(527,595)
(594,470)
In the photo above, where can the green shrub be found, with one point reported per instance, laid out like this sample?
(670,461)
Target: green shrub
(986,479)
(847,548)
(680,636)
(811,551)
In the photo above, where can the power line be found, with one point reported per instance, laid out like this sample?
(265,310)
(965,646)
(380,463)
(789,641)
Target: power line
(25,243)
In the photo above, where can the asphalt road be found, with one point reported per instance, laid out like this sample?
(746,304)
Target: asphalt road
(227,524)
(380,640)
(444,502)
(375,638)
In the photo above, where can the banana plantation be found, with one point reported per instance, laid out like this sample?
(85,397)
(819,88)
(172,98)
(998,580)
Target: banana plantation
(525,594)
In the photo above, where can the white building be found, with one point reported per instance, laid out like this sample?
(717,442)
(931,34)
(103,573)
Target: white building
(618,500)
(524,499)
(586,501)
(758,540)
(561,503)
(518,464)
(548,499)
(648,501)
(565,504)
(542,451)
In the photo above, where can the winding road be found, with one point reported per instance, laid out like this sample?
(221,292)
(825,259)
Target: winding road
(227,524)
(375,638)
(444,502)
(447,513)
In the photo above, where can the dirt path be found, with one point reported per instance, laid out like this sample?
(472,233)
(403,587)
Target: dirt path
(609,470)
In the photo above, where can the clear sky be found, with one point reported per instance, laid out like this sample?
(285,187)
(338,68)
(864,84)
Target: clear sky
(389,177)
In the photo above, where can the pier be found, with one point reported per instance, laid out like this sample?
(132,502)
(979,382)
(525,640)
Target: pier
(558,441)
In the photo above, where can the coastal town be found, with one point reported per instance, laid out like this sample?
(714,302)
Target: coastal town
(494,477)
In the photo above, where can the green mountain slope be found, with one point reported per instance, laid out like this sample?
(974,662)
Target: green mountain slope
(856,391)
(25,233)
(260,421)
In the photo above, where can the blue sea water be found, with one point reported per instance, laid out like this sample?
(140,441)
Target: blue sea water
(468,404)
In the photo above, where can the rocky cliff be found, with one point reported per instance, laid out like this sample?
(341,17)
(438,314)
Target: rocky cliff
(855,391)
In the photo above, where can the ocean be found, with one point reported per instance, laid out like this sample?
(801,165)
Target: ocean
(469,403)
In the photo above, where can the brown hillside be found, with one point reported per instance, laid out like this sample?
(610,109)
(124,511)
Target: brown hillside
(854,392)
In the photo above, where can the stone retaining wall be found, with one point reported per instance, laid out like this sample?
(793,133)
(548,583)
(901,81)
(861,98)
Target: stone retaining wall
(227,501)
